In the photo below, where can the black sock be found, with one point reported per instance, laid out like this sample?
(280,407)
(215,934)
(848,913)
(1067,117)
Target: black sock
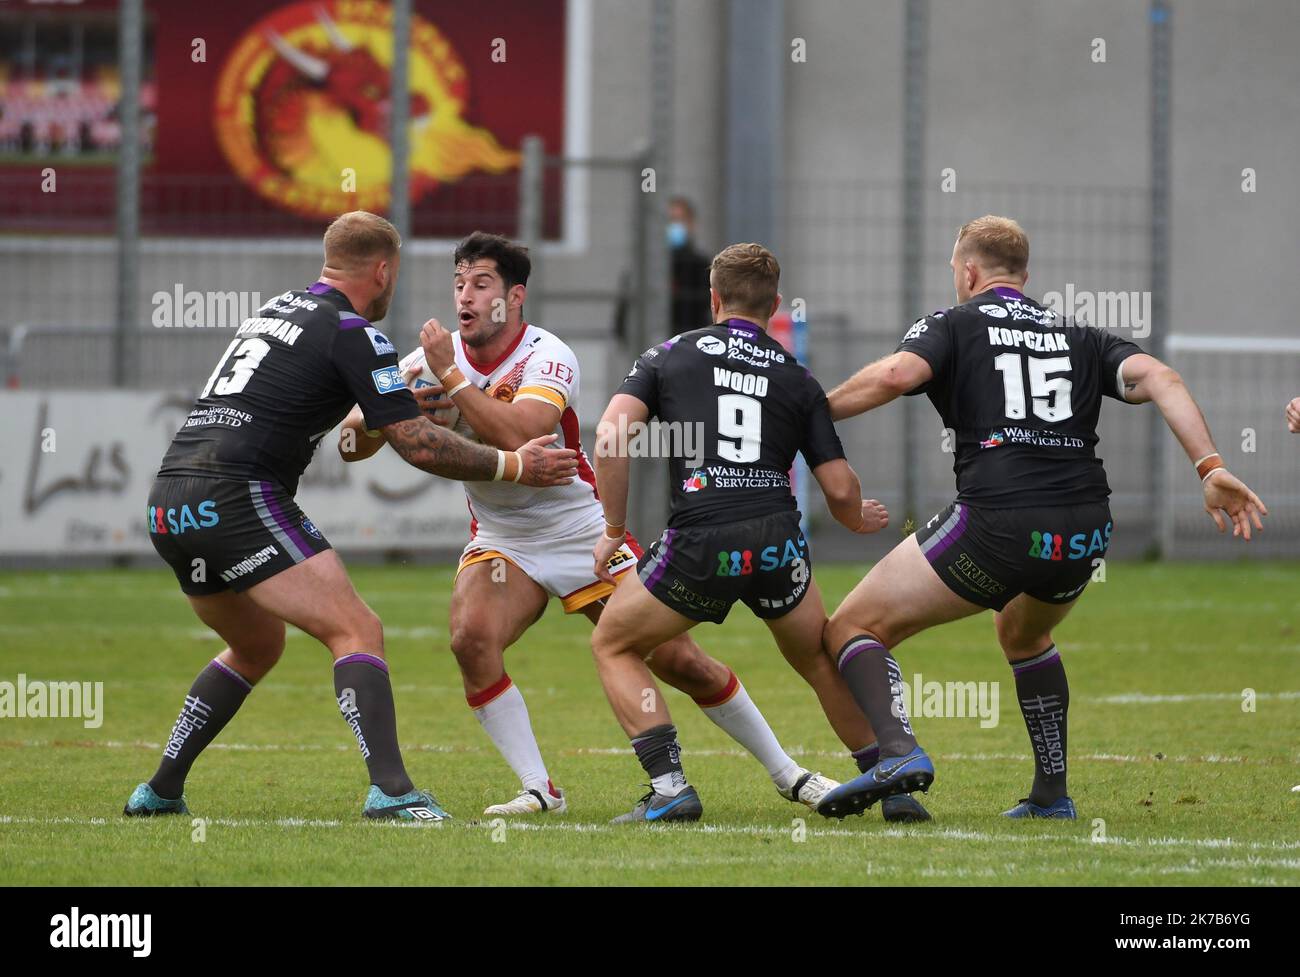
(1044,697)
(661,758)
(876,682)
(867,757)
(366,702)
(213,700)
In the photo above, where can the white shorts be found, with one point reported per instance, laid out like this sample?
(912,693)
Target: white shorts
(560,566)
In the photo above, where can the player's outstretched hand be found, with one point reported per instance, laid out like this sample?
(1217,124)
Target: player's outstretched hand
(438,349)
(875,517)
(602,554)
(545,466)
(1225,491)
(1293,415)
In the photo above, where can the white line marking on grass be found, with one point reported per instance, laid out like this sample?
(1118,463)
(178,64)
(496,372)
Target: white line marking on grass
(927,835)
(1143,698)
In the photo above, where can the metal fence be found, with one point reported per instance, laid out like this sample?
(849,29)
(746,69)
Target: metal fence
(841,259)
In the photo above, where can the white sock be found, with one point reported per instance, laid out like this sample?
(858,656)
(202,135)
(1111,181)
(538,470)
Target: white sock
(669,784)
(505,718)
(740,719)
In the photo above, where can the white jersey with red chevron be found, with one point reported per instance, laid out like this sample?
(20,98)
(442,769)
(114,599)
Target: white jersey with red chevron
(537,366)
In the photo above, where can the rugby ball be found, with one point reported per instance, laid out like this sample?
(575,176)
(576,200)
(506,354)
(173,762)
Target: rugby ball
(449,416)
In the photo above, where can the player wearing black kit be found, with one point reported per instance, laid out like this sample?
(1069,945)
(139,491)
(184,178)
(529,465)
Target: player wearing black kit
(1021,387)
(734,530)
(222,511)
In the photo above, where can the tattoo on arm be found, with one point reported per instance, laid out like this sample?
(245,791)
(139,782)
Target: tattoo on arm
(440,452)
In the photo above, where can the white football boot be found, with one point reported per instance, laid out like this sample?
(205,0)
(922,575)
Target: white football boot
(532,802)
(809,789)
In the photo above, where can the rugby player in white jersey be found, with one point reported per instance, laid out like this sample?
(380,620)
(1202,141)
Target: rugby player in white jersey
(511,381)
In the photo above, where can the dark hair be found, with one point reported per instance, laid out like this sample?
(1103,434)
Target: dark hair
(684,203)
(511,259)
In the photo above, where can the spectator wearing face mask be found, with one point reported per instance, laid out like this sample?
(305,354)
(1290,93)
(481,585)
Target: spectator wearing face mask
(690,269)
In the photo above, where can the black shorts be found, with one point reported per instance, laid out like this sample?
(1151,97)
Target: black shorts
(225,534)
(700,571)
(989,556)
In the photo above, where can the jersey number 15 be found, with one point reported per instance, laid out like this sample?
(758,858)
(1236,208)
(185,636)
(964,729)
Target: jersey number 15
(1049,395)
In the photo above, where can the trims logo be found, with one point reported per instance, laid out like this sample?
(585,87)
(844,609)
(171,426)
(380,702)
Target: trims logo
(133,931)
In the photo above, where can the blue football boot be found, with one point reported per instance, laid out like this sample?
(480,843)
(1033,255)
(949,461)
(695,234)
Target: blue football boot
(144,803)
(654,806)
(417,805)
(892,775)
(1061,809)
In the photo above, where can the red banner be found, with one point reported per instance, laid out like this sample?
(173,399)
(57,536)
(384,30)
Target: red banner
(270,118)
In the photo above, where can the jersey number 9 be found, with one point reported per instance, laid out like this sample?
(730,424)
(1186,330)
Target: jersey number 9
(740,420)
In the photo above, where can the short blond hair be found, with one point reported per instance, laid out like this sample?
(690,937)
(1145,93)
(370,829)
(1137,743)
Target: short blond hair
(747,278)
(996,242)
(358,237)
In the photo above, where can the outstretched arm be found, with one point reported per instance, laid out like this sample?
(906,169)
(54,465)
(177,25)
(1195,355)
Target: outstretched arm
(843,492)
(356,443)
(440,452)
(1144,378)
(878,383)
(612,473)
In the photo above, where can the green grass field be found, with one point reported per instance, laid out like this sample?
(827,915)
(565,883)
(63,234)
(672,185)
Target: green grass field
(1175,782)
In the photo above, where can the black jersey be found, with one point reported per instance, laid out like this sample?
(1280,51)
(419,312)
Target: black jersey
(1021,388)
(755,408)
(289,376)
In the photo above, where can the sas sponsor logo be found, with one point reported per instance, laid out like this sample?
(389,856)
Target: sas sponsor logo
(791,553)
(994,440)
(177,520)
(695,483)
(994,311)
(388,379)
(711,345)
(1051,546)
(383,346)
(735,563)
(310,529)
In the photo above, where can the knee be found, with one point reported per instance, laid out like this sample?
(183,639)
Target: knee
(258,654)
(682,663)
(369,630)
(1019,642)
(472,644)
(606,642)
(840,631)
